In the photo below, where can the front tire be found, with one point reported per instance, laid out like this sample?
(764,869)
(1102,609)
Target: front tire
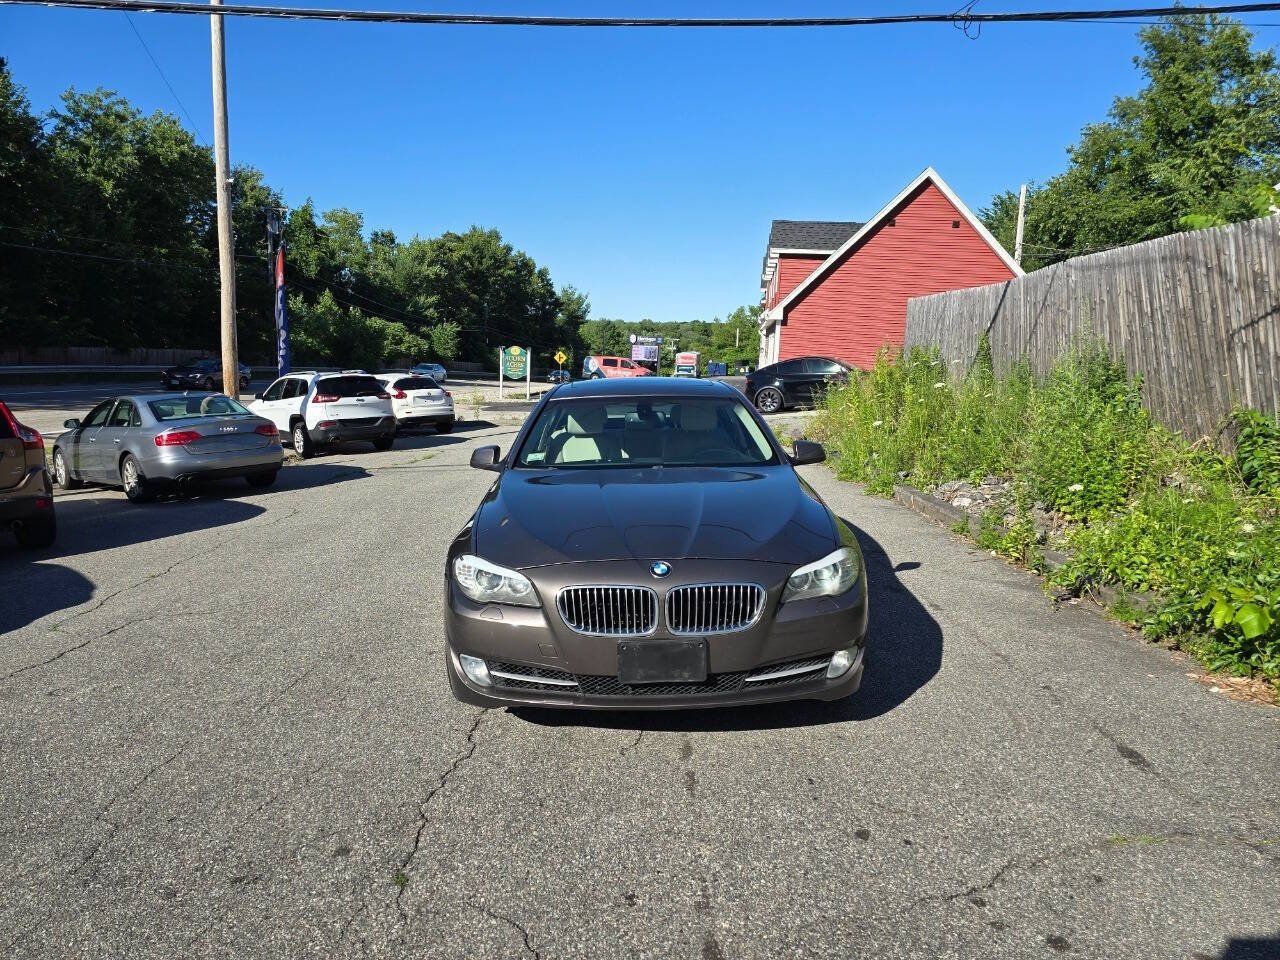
(136,487)
(62,473)
(444,426)
(769,400)
(38,533)
(302,444)
(261,480)
(384,443)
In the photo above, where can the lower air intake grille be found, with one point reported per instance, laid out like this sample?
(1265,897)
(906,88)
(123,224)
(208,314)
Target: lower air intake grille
(517,676)
(706,608)
(609,611)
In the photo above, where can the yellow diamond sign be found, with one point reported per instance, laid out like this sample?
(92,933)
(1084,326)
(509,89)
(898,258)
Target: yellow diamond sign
(560,357)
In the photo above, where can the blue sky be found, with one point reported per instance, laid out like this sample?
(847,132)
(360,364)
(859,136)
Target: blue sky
(643,166)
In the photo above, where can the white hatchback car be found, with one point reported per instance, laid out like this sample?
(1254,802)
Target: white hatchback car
(314,409)
(418,400)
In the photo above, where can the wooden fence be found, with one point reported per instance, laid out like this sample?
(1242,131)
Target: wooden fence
(1196,314)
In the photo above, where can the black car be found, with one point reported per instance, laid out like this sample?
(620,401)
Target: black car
(201,373)
(648,543)
(559,376)
(793,383)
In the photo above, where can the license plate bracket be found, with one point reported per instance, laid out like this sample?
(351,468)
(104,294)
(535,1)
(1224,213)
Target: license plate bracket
(662,661)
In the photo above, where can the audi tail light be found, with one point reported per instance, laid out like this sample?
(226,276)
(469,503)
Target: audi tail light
(267,430)
(176,438)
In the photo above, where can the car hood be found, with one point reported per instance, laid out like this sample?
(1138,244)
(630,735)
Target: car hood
(533,518)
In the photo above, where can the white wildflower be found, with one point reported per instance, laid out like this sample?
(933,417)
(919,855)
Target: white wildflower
(1076,487)
(878,423)
(874,455)
(939,386)
(1247,528)
(987,396)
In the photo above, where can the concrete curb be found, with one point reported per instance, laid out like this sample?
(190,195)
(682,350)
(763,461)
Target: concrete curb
(951,517)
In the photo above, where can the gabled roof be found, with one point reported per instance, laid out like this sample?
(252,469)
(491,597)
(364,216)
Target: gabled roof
(810,234)
(928,174)
(806,236)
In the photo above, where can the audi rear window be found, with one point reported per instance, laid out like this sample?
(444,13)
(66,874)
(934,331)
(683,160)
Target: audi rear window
(350,386)
(184,408)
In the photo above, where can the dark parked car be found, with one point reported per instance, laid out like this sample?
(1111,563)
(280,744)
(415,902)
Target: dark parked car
(201,373)
(793,383)
(559,376)
(26,491)
(648,543)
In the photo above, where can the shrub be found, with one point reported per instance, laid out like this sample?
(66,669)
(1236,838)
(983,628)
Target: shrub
(1196,527)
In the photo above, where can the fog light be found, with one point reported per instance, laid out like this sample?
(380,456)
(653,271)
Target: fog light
(477,670)
(841,661)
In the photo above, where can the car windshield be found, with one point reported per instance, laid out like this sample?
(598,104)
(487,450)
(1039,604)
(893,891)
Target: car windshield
(672,432)
(183,408)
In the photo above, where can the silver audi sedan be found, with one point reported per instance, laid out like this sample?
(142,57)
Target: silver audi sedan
(144,443)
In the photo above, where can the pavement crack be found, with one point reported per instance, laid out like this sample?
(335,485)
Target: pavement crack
(402,875)
(634,743)
(529,948)
(287,687)
(102,636)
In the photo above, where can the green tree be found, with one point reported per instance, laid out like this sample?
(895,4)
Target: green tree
(1198,144)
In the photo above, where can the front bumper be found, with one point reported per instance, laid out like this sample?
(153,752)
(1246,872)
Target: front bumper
(33,495)
(343,430)
(534,643)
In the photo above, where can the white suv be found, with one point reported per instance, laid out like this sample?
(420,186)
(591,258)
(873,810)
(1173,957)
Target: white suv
(313,409)
(417,400)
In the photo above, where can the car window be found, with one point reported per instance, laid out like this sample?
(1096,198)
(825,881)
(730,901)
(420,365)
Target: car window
(121,415)
(628,364)
(824,366)
(293,387)
(204,405)
(610,362)
(673,432)
(98,415)
(350,386)
(416,383)
(790,366)
(276,390)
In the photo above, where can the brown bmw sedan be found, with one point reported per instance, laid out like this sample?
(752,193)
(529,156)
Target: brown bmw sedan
(648,544)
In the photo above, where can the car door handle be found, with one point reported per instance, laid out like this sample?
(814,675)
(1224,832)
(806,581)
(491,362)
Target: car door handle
(93,439)
(117,440)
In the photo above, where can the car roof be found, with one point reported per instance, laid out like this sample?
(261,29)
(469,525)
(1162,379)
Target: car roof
(641,387)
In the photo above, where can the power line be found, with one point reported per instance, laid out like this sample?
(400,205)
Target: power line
(174,93)
(964,17)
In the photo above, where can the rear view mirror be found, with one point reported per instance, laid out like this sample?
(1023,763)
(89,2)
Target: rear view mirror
(71,424)
(486,458)
(806,451)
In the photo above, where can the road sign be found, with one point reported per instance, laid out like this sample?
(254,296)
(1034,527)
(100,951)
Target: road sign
(560,357)
(515,361)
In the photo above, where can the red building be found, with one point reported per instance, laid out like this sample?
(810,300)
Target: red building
(840,289)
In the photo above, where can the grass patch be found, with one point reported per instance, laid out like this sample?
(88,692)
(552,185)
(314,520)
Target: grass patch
(1146,511)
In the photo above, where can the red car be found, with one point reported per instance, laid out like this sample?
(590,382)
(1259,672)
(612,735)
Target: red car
(597,366)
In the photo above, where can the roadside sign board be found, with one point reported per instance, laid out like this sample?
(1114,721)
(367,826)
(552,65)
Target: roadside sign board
(644,352)
(560,357)
(647,340)
(515,362)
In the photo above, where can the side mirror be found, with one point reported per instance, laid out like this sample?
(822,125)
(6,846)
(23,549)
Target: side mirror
(71,424)
(806,451)
(257,396)
(486,458)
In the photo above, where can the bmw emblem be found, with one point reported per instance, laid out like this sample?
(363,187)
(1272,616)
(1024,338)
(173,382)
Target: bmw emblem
(660,568)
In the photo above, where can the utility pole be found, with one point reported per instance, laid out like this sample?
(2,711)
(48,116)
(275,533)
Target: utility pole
(1022,216)
(226,248)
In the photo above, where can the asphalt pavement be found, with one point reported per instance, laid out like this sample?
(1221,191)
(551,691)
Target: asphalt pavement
(225,731)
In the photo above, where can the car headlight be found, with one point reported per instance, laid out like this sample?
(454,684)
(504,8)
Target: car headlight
(831,576)
(486,582)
